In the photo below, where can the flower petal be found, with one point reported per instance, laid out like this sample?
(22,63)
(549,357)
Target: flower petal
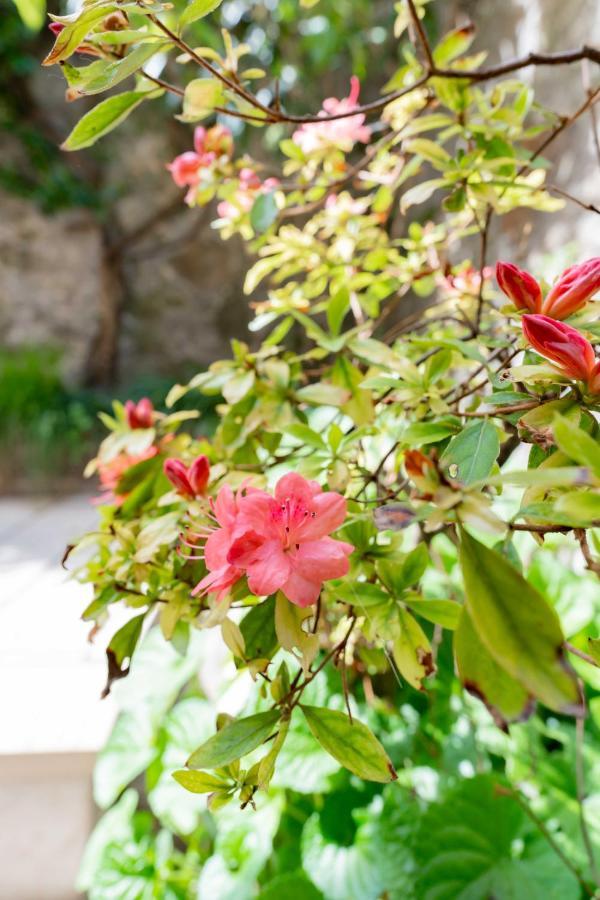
(300,590)
(269,569)
(321,560)
(330,512)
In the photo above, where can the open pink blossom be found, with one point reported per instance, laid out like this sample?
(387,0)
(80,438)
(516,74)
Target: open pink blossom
(341,133)
(222,574)
(279,542)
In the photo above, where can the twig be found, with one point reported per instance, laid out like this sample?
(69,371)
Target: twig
(414,15)
(590,207)
(590,562)
(581,654)
(482,260)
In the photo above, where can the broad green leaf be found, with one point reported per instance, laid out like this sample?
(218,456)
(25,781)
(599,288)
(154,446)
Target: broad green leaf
(258,630)
(467,848)
(429,432)
(337,307)
(105,116)
(398,575)
(470,456)
(200,98)
(441,612)
(516,625)
(264,212)
(350,742)
(292,886)
(197,9)
(103,74)
(124,641)
(577,444)
(506,699)
(323,394)
(306,435)
(412,651)
(378,863)
(237,738)
(454,44)
(32,12)
(420,193)
(199,782)
(578,507)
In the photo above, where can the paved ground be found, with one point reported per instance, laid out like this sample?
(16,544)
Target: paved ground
(50,676)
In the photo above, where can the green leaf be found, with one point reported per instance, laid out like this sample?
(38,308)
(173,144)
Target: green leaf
(337,307)
(258,630)
(516,625)
(412,651)
(264,212)
(197,9)
(473,452)
(466,848)
(577,444)
(32,12)
(306,435)
(480,674)
(398,575)
(323,394)
(75,30)
(158,532)
(292,886)
(103,74)
(429,432)
(350,742)
(237,738)
(124,641)
(200,98)
(454,44)
(105,116)
(441,612)
(199,782)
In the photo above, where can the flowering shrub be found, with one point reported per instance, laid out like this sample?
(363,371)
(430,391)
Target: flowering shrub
(380,474)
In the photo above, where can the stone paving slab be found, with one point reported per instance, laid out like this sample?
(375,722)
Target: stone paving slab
(50,675)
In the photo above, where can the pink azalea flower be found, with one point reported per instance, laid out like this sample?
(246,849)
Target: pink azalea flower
(221,573)
(190,481)
(209,145)
(110,473)
(341,133)
(279,542)
(141,414)
(564,346)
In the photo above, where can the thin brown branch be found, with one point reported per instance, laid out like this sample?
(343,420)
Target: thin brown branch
(592,564)
(424,42)
(484,232)
(590,207)
(581,654)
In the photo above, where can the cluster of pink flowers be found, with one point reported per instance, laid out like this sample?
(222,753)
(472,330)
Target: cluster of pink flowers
(566,347)
(466,281)
(190,481)
(342,133)
(279,541)
(568,295)
(249,187)
(210,146)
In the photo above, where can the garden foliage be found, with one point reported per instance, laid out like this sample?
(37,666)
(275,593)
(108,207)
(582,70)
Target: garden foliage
(382,481)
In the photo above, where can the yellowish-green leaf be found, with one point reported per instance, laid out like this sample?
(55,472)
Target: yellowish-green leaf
(412,651)
(350,742)
(237,738)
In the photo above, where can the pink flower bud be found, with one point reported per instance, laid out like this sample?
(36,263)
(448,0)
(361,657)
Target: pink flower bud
(562,345)
(198,474)
(519,286)
(199,139)
(56,27)
(219,140)
(139,415)
(573,289)
(177,473)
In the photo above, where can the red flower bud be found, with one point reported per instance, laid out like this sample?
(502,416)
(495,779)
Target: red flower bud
(177,473)
(198,474)
(190,482)
(139,415)
(562,345)
(573,289)
(519,286)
